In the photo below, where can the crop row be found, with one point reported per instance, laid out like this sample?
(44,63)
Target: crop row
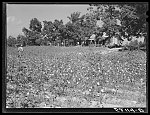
(29,78)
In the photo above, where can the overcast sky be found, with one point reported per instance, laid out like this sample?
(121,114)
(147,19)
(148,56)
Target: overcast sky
(19,15)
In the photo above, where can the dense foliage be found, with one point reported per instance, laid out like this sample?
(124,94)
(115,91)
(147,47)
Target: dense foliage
(123,19)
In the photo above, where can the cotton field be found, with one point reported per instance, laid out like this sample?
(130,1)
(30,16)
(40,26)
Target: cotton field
(50,77)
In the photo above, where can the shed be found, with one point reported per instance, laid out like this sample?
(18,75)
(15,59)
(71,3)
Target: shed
(115,40)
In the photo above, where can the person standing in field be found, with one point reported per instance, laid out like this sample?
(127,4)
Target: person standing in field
(20,51)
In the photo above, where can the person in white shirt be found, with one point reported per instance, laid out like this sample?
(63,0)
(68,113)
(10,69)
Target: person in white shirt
(20,50)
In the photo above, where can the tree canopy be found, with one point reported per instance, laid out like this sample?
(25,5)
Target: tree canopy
(110,18)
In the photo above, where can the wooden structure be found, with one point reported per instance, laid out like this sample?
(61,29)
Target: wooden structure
(114,41)
(92,38)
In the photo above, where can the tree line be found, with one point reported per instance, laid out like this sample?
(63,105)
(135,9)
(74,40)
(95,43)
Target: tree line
(123,19)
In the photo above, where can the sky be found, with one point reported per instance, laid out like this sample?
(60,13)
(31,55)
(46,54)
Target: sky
(19,15)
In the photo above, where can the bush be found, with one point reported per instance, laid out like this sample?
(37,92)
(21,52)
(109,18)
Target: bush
(11,41)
